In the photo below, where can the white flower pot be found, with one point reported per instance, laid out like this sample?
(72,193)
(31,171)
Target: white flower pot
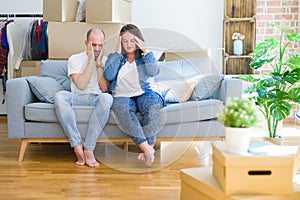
(237,140)
(237,47)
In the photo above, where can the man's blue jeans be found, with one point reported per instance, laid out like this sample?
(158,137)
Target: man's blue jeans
(64,101)
(148,105)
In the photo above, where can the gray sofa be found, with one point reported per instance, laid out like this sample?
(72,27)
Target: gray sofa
(31,116)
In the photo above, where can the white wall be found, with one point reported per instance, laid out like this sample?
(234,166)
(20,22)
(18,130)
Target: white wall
(182,25)
(168,24)
(199,20)
(21,6)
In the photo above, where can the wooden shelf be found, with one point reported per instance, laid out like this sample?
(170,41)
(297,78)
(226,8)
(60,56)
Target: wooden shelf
(246,19)
(239,16)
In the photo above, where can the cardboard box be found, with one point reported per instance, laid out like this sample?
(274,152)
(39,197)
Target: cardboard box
(259,174)
(28,68)
(199,183)
(67,38)
(60,10)
(108,10)
(184,55)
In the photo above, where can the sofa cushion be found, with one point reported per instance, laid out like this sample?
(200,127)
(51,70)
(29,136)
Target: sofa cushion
(176,91)
(206,86)
(189,111)
(57,69)
(44,112)
(44,88)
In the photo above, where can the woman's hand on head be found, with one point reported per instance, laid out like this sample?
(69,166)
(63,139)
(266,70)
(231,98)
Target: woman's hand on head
(140,43)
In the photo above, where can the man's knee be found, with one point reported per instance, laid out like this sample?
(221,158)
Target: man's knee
(60,96)
(106,99)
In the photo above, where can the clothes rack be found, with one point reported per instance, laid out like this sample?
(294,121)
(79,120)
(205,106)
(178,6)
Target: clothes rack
(20,15)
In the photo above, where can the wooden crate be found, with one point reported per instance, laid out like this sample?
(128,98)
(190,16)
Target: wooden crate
(249,174)
(237,65)
(239,16)
(239,8)
(247,28)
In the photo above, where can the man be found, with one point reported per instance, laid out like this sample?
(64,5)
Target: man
(87,87)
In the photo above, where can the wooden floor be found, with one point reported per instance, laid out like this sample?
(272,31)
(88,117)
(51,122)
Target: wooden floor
(48,172)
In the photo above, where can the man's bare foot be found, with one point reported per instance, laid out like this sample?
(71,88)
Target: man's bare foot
(90,158)
(80,155)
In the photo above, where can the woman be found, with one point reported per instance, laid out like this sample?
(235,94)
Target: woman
(128,70)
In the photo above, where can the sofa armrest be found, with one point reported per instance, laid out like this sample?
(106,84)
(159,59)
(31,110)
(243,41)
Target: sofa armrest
(230,88)
(18,94)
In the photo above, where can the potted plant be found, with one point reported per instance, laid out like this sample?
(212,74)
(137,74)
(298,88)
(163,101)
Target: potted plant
(237,43)
(274,91)
(238,116)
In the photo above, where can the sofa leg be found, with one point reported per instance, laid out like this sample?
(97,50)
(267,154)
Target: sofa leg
(125,146)
(23,149)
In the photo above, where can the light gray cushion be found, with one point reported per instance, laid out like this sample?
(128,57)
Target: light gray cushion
(191,111)
(44,88)
(176,90)
(206,86)
(57,69)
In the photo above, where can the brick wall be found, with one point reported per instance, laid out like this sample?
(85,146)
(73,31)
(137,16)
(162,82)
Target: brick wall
(284,13)
(281,12)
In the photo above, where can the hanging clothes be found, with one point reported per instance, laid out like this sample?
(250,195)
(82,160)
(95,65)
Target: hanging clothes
(16,35)
(43,45)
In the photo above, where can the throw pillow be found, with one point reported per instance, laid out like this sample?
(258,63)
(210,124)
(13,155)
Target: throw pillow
(44,88)
(176,90)
(206,86)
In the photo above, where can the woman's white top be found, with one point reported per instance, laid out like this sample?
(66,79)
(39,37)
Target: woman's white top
(128,82)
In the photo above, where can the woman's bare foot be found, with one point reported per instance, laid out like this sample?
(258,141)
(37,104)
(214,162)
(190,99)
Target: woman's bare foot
(80,155)
(148,153)
(148,158)
(90,158)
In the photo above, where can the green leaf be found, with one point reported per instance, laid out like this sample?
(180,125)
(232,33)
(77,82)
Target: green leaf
(248,78)
(281,29)
(293,54)
(292,76)
(293,37)
(293,62)
(280,109)
(294,94)
(263,53)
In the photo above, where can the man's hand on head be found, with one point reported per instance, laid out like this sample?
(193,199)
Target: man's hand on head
(90,52)
(100,57)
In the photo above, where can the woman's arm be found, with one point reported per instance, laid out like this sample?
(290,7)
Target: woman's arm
(150,64)
(112,66)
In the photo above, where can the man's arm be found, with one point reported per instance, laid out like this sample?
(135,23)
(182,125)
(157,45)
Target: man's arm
(103,83)
(81,80)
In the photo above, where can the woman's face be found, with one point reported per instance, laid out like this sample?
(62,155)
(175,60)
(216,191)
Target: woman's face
(128,42)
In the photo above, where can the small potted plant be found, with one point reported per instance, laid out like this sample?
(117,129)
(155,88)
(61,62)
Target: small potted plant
(237,43)
(238,116)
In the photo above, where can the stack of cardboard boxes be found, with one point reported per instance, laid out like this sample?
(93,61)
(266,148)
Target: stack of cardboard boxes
(66,36)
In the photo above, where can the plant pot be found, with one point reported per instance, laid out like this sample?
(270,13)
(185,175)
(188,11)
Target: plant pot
(276,140)
(237,47)
(237,140)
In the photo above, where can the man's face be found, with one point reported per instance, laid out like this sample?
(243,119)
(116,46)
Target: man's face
(97,42)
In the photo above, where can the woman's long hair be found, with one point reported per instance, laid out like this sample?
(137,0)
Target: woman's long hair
(136,32)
